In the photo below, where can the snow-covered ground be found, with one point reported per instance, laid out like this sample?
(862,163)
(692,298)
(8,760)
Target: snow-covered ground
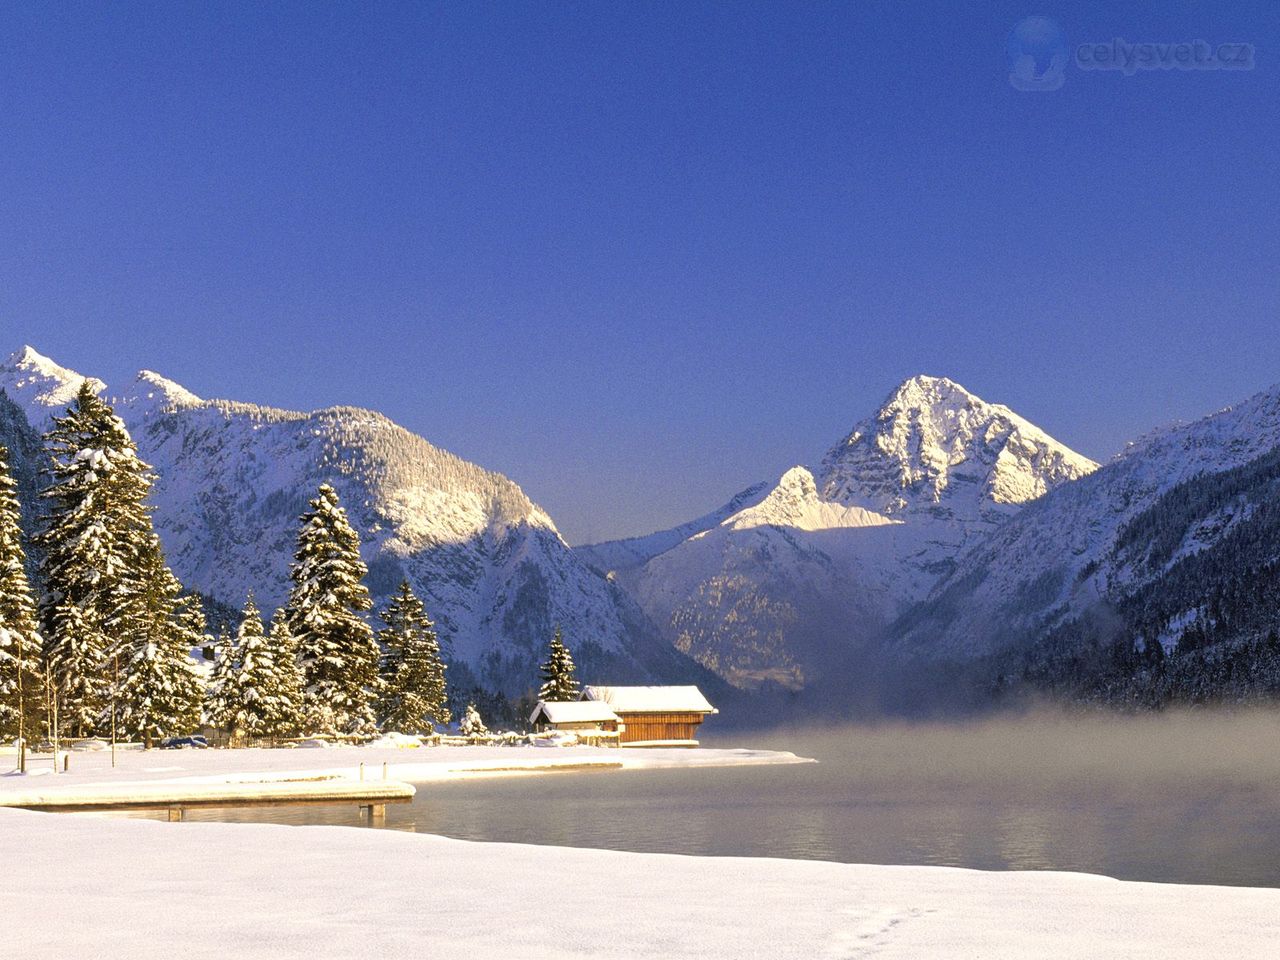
(140,889)
(91,773)
(85,887)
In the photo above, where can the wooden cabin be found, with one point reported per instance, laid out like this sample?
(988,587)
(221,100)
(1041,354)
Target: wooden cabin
(655,716)
(591,720)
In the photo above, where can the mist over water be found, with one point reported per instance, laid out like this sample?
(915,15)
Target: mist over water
(1191,797)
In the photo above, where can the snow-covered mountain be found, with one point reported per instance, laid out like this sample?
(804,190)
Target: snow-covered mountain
(936,449)
(39,386)
(944,536)
(794,579)
(1062,556)
(232,479)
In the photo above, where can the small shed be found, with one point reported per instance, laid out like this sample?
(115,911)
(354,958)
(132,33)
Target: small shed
(654,716)
(590,719)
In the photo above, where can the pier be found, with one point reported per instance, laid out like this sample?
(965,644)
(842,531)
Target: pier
(371,796)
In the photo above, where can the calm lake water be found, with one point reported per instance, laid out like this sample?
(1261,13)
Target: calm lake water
(1190,798)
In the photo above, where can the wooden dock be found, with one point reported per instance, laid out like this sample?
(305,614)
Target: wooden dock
(176,797)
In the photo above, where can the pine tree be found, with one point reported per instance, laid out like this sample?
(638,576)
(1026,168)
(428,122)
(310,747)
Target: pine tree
(96,531)
(21,676)
(414,695)
(558,680)
(221,695)
(287,687)
(263,696)
(472,725)
(254,711)
(190,624)
(336,648)
(159,692)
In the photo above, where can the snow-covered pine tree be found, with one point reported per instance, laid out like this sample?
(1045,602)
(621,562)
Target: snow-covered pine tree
(287,686)
(95,530)
(191,634)
(21,673)
(159,692)
(558,680)
(413,685)
(471,724)
(191,625)
(253,713)
(221,696)
(336,648)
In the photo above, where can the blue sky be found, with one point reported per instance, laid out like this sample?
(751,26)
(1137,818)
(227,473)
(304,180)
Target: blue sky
(638,256)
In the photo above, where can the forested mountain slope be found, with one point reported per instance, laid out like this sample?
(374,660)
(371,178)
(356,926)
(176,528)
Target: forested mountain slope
(233,478)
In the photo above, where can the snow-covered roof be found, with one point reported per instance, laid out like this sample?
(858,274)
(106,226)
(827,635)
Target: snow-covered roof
(575,711)
(651,699)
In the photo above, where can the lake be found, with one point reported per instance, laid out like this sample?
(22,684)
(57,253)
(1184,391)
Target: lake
(1191,798)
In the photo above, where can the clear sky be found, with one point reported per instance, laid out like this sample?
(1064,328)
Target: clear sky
(640,255)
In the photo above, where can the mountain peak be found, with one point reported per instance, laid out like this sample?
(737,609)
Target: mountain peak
(150,391)
(33,362)
(935,446)
(40,386)
(934,395)
(923,383)
(795,502)
(27,356)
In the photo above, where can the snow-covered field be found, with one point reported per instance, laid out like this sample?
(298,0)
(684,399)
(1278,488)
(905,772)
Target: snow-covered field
(140,889)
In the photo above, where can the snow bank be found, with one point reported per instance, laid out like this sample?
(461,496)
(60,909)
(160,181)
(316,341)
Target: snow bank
(304,892)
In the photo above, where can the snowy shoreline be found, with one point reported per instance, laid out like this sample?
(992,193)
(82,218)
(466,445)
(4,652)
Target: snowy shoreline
(141,889)
(91,774)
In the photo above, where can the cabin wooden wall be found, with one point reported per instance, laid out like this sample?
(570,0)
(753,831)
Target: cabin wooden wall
(660,726)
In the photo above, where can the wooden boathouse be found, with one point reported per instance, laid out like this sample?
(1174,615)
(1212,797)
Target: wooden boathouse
(654,716)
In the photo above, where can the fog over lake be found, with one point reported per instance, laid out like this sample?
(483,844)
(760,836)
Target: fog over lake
(1185,797)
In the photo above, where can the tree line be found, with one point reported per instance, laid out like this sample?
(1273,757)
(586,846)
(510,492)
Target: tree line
(107,645)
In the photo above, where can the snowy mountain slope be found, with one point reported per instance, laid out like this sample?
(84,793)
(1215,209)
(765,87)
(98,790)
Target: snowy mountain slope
(1193,619)
(756,600)
(635,551)
(793,585)
(1061,557)
(232,479)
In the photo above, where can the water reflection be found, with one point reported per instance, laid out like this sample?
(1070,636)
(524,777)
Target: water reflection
(1184,799)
